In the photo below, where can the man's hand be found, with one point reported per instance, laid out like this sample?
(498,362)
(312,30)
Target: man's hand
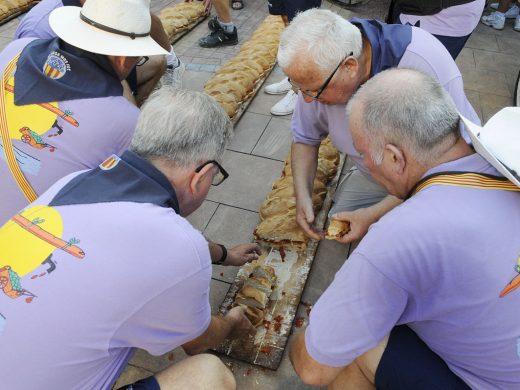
(241,327)
(305,219)
(243,253)
(360,220)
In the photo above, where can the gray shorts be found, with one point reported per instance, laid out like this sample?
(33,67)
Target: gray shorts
(356,191)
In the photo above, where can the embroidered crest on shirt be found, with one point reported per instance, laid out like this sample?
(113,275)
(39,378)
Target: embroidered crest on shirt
(56,66)
(110,163)
(514,283)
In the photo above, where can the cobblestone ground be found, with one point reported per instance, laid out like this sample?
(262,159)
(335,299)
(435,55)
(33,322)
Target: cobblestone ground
(489,64)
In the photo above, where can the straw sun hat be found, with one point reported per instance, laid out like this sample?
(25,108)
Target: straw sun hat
(115,27)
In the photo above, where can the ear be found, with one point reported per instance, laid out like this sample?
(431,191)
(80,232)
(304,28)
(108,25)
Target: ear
(198,178)
(396,157)
(352,65)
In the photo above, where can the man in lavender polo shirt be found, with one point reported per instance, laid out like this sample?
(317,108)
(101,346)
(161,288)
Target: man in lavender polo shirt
(452,25)
(64,102)
(122,268)
(328,58)
(420,303)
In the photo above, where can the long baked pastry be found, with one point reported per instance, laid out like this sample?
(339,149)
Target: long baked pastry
(254,294)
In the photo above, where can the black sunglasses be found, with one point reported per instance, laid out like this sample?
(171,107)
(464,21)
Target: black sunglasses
(317,94)
(219,177)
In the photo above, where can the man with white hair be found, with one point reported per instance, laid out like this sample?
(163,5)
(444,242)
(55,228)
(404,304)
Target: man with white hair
(135,275)
(62,103)
(327,58)
(425,301)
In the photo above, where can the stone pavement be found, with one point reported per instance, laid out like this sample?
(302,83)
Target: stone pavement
(489,64)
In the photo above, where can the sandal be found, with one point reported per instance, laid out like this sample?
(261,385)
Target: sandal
(237,4)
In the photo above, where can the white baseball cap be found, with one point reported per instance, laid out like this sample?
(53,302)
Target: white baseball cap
(114,27)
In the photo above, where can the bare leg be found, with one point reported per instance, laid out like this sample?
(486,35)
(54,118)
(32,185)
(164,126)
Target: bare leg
(503,5)
(199,372)
(222,9)
(361,374)
(148,76)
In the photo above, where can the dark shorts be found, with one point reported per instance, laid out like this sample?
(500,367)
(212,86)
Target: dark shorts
(291,7)
(408,364)
(149,383)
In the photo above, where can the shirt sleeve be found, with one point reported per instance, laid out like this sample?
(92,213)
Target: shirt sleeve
(354,314)
(308,126)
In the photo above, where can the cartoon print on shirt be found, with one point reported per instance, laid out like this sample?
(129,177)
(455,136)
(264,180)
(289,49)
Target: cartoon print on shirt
(30,123)
(27,241)
(514,283)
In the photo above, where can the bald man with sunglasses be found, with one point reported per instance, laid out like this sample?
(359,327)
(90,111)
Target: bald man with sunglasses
(327,58)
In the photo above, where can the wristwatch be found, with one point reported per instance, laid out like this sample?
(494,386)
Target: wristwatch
(223,257)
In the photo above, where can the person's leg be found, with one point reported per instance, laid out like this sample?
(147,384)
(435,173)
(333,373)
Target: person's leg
(400,361)
(356,191)
(202,372)
(148,76)
(223,31)
(360,374)
(497,19)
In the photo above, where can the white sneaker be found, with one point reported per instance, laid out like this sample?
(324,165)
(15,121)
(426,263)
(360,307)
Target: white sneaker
(286,105)
(517,24)
(511,13)
(278,88)
(495,20)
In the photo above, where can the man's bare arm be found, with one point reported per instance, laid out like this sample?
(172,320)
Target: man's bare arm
(304,160)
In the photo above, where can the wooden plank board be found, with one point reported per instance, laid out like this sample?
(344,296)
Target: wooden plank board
(292,268)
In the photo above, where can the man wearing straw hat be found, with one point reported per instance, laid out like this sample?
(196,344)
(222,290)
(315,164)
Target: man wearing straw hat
(122,267)
(430,297)
(141,80)
(62,107)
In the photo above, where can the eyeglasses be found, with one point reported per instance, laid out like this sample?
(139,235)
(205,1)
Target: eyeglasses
(142,60)
(316,94)
(219,177)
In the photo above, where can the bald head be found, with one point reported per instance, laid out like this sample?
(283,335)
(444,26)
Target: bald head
(407,108)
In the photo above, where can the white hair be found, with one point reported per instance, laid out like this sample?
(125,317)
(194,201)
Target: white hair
(185,127)
(407,108)
(321,35)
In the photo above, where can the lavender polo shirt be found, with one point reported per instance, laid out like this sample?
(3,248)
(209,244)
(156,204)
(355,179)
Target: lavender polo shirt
(56,147)
(313,121)
(36,22)
(455,21)
(133,274)
(438,263)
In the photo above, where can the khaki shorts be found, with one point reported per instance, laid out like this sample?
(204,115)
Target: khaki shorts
(356,191)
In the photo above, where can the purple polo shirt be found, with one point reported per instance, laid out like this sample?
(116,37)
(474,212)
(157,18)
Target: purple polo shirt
(79,136)
(36,22)
(126,274)
(311,122)
(455,21)
(438,263)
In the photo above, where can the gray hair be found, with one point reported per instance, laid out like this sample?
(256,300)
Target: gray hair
(323,36)
(185,127)
(409,109)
